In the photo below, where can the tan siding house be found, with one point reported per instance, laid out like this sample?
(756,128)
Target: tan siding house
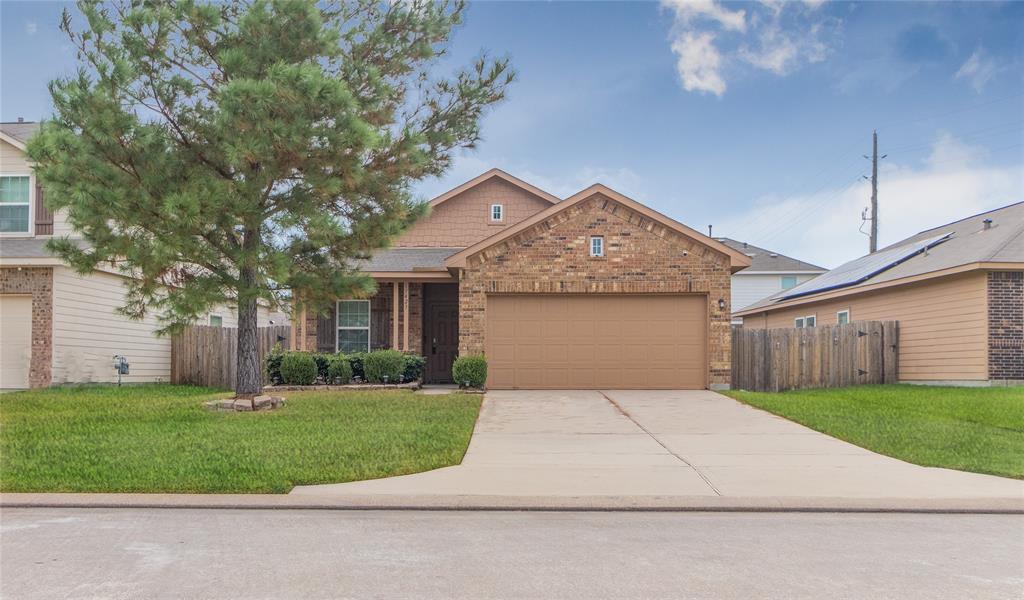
(960,304)
(58,326)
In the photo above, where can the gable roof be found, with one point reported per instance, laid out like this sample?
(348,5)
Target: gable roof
(403,260)
(737,259)
(767,261)
(17,133)
(536,191)
(955,247)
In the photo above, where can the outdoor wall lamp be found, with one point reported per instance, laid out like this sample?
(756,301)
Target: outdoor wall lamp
(721,304)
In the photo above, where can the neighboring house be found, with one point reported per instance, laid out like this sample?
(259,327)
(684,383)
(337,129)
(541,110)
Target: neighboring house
(956,290)
(595,291)
(768,273)
(57,326)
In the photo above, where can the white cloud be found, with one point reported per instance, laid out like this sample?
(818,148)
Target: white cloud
(822,228)
(773,36)
(978,70)
(699,63)
(31,27)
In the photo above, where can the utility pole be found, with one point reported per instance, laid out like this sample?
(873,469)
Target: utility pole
(874,192)
(874,158)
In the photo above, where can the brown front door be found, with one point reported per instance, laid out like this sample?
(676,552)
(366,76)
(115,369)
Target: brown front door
(440,331)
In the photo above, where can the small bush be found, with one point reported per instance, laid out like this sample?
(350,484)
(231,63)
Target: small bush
(339,371)
(272,364)
(384,363)
(323,363)
(471,370)
(355,360)
(414,364)
(298,368)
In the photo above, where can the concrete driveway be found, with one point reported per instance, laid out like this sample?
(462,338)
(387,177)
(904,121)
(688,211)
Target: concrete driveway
(664,443)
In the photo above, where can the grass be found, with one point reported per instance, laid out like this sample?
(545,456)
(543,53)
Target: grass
(970,429)
(160,438)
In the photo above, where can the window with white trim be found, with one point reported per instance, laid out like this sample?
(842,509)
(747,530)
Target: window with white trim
(15,204)
(808,321)
(597,246)
(843,317)
(788,282)
(497,212)
(353,326)
(216,321)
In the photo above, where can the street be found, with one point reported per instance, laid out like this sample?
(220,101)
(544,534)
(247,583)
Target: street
(161,553)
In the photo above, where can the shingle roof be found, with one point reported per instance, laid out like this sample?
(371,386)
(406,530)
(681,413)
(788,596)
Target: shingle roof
(969,242)
(407,259)
(767,260)
(20,131)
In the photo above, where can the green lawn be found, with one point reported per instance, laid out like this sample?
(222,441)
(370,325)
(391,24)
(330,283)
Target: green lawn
(160,438)
(971,429)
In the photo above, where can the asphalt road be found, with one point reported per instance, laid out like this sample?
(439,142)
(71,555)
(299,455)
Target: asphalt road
(160,553)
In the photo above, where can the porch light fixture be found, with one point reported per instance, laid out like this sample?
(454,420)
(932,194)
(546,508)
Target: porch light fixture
(721,304)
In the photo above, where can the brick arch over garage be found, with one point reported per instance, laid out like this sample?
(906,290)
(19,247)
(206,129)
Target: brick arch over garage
(643,256)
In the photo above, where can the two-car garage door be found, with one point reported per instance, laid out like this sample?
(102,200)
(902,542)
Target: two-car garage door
(597,341)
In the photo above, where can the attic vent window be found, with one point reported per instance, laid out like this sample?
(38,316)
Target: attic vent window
(497,213)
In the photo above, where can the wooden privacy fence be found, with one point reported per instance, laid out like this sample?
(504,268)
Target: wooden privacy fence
(773,360)
(203,355)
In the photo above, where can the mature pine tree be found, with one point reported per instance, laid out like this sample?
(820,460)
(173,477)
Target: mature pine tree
(249,150)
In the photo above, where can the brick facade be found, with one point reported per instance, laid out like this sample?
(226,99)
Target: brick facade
(464,220)
(641,256)
(1006,325)
(38,283)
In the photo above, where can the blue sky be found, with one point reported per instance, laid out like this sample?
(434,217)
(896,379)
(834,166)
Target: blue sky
(750,116)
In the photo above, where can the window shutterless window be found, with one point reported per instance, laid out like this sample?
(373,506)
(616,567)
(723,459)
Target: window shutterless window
(353,326)
(15,204)
(808,321)
(497,212)
(216,321)
(843,317)
(597,246)
(798,322)
(788,281)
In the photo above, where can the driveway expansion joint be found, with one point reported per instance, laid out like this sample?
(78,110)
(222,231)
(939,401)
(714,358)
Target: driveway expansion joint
(626,414)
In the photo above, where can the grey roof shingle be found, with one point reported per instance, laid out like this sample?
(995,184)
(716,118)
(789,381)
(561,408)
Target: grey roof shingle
(406,259)
(767,260)
(20,131)
(27,247)
(969,243)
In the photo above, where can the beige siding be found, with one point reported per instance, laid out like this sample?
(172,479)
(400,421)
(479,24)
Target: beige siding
(464,220)
(88,332)
(943,324)
(13,160)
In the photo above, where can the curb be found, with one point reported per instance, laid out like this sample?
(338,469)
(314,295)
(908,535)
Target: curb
(1014,506)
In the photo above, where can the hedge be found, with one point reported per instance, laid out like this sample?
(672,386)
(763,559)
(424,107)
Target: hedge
(470,371)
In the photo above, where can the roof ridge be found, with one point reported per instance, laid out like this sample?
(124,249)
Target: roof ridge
(974,216)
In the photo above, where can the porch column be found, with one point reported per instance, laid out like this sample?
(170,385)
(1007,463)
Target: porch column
(394,315)
(405,309)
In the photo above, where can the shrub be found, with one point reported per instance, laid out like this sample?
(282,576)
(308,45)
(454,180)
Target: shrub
(323,363)
(471,370)
(414,364)
(298,368)
(384,363)
(339,371)
(355,360)
(272,364)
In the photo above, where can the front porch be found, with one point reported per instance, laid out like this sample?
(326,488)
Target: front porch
(418,315)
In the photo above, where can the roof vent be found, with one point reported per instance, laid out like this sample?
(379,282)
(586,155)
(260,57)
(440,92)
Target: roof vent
(987,224)
(773,255)
(744,245)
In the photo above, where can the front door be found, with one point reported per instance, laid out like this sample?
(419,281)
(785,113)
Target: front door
(440,331)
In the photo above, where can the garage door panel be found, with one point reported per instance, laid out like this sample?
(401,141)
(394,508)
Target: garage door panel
(597,341)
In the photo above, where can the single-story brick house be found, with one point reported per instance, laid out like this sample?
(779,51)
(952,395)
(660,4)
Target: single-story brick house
(956,290)
(594,291)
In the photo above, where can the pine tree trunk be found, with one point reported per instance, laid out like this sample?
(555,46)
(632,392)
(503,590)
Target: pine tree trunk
(249,381)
